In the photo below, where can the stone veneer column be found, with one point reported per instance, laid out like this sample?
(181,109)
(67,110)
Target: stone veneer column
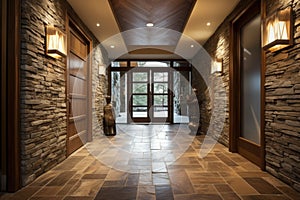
(99,91)
(43,105)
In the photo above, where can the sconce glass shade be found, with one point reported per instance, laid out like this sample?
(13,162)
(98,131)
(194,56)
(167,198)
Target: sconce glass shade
(277,30)
(217,66)
(56,42)
(101,69)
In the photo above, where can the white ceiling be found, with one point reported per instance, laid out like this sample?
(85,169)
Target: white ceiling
(98,11)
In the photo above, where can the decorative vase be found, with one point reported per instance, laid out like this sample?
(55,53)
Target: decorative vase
(109,122)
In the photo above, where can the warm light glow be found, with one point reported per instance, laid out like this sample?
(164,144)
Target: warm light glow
(56,42)
(217,66)
(271,32)
(149,24)
(282,28)
(98,24)
(112,46)
(277,30)
(208,24)
(102,69)
(192,46)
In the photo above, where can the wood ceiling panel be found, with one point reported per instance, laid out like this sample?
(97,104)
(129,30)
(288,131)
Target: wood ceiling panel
(167,14)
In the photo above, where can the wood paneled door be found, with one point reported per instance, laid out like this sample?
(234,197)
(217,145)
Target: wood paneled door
(78,88)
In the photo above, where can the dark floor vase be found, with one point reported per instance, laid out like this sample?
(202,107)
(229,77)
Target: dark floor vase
(109,122)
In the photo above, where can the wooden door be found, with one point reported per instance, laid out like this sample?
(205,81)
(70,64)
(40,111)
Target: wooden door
(247,93)
(78,90)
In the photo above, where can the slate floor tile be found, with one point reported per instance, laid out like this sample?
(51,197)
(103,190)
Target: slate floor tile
(158,175)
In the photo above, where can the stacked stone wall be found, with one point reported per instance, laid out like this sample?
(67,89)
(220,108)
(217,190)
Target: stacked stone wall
(282,95)
(43,88)
(217,46)
(282,107)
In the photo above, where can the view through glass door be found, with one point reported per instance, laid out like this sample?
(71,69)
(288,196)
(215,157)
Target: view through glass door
(150,91)
(149,95)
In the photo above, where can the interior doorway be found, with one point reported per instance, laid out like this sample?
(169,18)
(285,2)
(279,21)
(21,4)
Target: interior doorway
(247,93)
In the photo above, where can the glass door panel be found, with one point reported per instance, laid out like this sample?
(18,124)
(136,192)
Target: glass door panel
(119,95)
(181,89)
(250,80)
(160,96)
(246,82)
(160,76)
(160,100)
(139,88)
(139,77)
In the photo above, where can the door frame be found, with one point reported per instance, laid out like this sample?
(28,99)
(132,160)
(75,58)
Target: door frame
(124,69)
(10,93)
(234,91)
(80,30)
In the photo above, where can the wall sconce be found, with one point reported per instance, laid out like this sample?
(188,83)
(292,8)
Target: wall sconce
(217,66)
(101,69)
(277,30)
(56,42)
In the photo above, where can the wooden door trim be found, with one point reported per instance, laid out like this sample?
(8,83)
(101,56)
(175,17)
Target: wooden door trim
(234,92)
(13,94)
(79,29)
(263,94)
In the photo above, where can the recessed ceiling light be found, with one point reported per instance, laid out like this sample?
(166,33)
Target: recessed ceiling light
(112,46)
(208,24)
(149,24)
(192,46)
(98,24)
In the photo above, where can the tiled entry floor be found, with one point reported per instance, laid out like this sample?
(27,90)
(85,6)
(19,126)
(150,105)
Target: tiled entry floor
(219,175)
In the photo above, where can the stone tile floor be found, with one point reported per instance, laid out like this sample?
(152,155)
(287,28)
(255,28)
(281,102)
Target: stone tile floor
(161,162)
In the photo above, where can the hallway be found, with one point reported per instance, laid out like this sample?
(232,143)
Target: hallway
(147,173)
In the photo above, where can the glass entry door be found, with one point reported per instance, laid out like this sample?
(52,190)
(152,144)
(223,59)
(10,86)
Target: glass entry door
(139,96)
(149,95)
